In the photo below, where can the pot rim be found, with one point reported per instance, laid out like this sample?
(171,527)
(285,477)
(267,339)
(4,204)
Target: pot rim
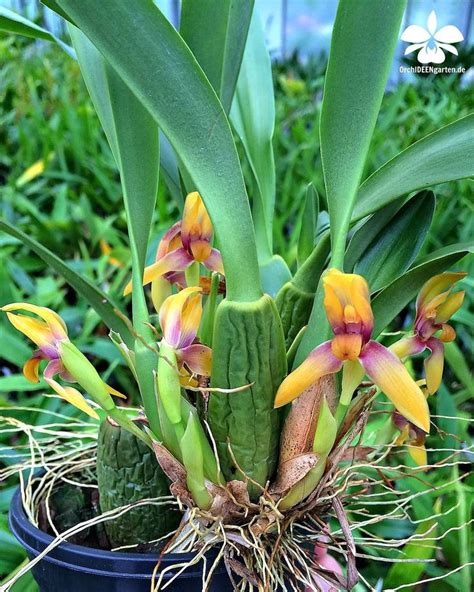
(89,559)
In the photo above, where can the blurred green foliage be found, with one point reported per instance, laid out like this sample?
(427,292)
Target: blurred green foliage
(74,207)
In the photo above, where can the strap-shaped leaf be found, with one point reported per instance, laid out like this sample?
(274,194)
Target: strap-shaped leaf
(403,290)
(153,60)
(445,155)
(309,219)
(253,117)
(362,47)
(108,311)
(397,245)
(169,170)
(15,23)
(216,31)
(134,140)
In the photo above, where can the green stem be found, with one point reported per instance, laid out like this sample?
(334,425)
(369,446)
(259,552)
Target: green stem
(192,274)
(209,314)
(338,243)
(168,383)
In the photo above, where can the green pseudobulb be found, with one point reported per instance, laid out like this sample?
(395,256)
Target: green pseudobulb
(127,471)
(248,349)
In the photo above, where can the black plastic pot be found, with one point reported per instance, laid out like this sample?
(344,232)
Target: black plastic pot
(73,568)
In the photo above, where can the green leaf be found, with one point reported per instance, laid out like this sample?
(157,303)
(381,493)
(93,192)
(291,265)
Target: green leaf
(253,117)
(169,170)
(403,290)
(53,5)
(418,548)
(307,276)
(11,22)
(134,140)
(17,382)
(153,60)
(274,273)
(365,232)
(100,302)
(445,155)
(309,219)
(14,349)
(358,69)
(216,31)
(397,245)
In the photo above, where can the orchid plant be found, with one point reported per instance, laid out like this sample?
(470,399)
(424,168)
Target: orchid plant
(253,378)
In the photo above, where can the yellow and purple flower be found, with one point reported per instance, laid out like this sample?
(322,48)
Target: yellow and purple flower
(180,316)
(435,305)
(49,334)
(413,437)
(350,315)
(186,242)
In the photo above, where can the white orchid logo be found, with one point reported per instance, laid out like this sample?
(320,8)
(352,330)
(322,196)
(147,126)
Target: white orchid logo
(431,42)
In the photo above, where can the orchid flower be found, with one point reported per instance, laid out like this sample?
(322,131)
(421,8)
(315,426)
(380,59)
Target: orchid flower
(180,316)
(350,315)
(435,305)
(49,334)
(413,436)
(186,242)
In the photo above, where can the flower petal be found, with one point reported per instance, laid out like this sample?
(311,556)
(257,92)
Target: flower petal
(167,241)
(436,285)
(174,261)
(196,223)
(54,367)
(36,330)
(451,305)
(201,249)
(51,318)
(434,364)
(418,453)
(320,362)
(408,346)
(114,392)
(197,357)
(334,309)
(180,316)
(415,34)
(347,303)
(72,396)
(214,262)
(391,376)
